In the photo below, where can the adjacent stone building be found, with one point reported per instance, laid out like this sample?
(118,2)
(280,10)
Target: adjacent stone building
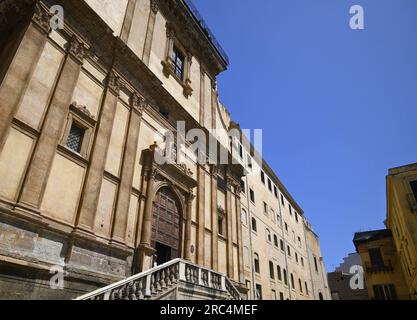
(340,280)
(84,112)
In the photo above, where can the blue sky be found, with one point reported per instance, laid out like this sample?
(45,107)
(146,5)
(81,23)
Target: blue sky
(338,107)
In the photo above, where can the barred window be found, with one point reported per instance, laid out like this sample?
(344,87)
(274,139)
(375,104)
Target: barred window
(75,138)
(178,63)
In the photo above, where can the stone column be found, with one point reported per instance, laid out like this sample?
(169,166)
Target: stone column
(187,241)
(128,168)
(22,65)
(149,32)
(40,165)
(215,233)
(230,262)
(239,233)
(201,214)
(145,249)
(95,172)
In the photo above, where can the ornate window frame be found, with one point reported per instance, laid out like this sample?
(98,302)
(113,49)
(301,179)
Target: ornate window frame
(81,116)
(168,67)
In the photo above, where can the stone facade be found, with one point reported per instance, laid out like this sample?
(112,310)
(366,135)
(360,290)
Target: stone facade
(340,280)
(106,83)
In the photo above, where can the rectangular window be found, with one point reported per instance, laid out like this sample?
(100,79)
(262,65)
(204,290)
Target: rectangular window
(302,261)
(249,161)
(75,138)
(306,285)
(256,263)
(254,225)
(275,191)
(296,217)
(243,186)
(269,185)
(265,208)
(178,62)
(281,295)
(385,292)
(376,257)
(286,227)
(282,200)
(296,257)
(252,195)
(263,177)
(282,244)
(289,251)
(271,270)
(273,215)
(289,206)
(275,240)
(258,292)
(221,225)
(316,265)
(299,242)
(285,277)
(413,185)
(274,295)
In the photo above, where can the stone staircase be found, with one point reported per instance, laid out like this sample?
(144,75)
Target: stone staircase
(174,280)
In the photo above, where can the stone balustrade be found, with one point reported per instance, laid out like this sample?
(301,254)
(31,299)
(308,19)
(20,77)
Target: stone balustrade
(152,284)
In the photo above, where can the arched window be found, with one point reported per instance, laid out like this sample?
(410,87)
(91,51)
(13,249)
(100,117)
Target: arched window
(321,296)
(256,263)
(268,235)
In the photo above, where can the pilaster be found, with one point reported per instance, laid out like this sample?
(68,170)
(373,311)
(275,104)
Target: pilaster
(95,172)
(37,174)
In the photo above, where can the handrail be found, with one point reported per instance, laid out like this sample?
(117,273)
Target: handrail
(128,280)
(150,283)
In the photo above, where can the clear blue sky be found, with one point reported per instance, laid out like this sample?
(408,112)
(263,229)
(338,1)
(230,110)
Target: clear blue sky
(338,107)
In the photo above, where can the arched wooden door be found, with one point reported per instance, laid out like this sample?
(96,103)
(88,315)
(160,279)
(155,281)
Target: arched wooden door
(166,226)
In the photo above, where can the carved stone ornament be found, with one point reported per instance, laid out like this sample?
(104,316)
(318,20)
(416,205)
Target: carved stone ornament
(186,170)
(83,109)
(76,49)
(154,6)
(114,82)
(42,18)
(138,102)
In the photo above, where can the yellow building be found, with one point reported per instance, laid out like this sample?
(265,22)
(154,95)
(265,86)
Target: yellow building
(389,256)
(402,220)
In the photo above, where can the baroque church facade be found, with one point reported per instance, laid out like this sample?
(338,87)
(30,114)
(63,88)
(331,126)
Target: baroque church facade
(83,114)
